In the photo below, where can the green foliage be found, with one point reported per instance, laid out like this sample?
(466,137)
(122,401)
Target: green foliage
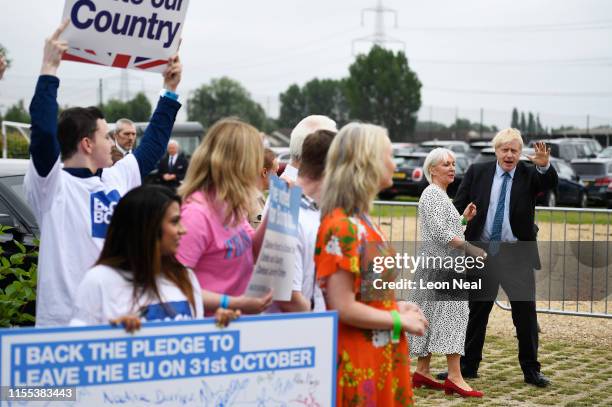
(15,296)
(515,124)
(430,126)
(528,123)
(318,96)
(137,109)
(17,113)
(225,97)
(4,52)
(17,145)
(382,89)
(531,125)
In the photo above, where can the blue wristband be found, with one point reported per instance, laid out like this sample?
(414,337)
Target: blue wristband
(224,302)
(169,94)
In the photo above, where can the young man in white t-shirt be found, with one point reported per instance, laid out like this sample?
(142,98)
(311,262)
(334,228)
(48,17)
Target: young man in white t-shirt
(306,294)
(73,196)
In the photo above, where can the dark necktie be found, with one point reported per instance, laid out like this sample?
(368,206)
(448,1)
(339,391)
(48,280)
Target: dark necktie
(498,220)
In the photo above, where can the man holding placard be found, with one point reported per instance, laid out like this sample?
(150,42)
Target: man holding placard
(73,202)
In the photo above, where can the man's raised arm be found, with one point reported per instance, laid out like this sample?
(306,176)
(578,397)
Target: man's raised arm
(155,141)
(44,146)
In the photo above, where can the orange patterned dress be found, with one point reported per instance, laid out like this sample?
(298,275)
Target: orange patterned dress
(372,371)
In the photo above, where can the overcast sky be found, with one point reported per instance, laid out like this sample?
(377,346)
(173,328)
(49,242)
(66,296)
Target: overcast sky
(553,57)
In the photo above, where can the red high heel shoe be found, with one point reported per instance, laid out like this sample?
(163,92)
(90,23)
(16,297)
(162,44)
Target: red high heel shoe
(450,388)
(418,380)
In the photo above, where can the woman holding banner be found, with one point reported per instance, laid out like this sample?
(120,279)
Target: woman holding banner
(218,192)
(373,362)
(137,276)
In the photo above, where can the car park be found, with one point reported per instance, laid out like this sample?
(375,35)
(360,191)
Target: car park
(410,180)
(455,146)
(565,149)
(596,175)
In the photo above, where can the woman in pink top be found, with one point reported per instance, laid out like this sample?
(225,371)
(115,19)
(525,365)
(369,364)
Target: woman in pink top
(218,193)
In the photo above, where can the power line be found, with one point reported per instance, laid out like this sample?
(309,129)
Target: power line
(519,93)
(379,37)
(575,26)
(603,61)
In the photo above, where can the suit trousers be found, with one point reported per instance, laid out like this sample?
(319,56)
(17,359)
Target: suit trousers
(513,270)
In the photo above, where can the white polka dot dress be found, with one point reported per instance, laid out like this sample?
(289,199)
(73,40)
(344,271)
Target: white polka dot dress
(439,222)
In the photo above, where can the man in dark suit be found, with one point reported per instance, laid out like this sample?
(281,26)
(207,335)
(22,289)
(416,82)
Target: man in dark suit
(172,167)
(505,193)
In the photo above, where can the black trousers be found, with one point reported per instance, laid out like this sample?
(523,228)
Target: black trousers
(513,271)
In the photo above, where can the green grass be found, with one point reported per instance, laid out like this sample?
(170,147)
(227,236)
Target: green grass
(544,216)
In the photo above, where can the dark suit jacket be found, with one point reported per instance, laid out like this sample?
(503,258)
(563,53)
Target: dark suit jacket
(179,168)
(526,184)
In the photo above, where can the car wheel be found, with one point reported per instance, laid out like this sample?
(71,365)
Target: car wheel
(551,199)
(583,200)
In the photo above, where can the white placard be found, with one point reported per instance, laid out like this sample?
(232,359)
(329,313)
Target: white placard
(107,32)
(275,265)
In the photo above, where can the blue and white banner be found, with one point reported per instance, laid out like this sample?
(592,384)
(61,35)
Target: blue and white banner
(276,261)
(189,363)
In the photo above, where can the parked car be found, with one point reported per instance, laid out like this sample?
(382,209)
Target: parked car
(569,191)
(564,149)
(605,153)
(592,144)
(596,175)
(609,196)
(455,146)
(477,146)
(410,180)
(15,212)
(404,147)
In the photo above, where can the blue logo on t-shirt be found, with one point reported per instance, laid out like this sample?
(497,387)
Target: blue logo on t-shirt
(102,207)
(236,245)
(168,310)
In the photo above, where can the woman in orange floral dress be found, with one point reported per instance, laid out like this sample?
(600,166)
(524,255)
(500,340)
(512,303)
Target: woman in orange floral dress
(373,362)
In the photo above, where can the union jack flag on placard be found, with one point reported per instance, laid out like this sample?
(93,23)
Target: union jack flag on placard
(89,56)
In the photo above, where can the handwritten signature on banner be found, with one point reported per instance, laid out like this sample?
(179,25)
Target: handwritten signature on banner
(232,395)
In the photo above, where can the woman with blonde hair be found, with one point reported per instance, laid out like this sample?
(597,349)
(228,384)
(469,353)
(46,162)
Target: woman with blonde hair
(373,363)
(442,237)
(218,192)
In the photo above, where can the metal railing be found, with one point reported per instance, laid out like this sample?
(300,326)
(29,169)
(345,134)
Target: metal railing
(575,251)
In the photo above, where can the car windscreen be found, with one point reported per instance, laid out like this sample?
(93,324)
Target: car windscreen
(14,195)
(587,169)
(412,162)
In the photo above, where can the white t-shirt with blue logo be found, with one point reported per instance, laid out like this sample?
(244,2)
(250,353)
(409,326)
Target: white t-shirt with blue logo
(105,294)
(73,214)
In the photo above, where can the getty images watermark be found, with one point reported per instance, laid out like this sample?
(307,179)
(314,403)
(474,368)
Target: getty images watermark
(457,266)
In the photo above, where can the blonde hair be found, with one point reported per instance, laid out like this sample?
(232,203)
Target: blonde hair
(506,135)
(435,157)
(354,168)
(225,167)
